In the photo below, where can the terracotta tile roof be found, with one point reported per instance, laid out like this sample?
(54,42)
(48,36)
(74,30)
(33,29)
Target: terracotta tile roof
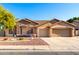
(41,21)
(28,20)
(54,20)
(63,22)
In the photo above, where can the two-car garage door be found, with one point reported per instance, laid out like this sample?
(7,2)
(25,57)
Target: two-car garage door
(61,32)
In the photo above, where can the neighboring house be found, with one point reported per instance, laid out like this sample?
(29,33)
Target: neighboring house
(76,22)
(42,28)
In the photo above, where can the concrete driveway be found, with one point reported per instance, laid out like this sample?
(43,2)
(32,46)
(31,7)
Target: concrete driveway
(63,43)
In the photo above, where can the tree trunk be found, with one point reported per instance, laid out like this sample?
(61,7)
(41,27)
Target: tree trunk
(4,33)
(14,33)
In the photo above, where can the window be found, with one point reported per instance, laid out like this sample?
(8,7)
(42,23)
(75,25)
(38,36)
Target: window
(77,29)
(30,31)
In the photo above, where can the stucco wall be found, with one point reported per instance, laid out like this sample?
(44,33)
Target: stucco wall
(77,32)
(64,26)
(77,25)
(45,25)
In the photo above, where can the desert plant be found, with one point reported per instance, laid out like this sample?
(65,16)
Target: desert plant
(72,19)
(5,39)
(21,38)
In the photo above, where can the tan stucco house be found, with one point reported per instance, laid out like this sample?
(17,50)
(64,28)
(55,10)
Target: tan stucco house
(42,28)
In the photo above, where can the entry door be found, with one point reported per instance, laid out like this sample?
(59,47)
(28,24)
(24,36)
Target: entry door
(24,30)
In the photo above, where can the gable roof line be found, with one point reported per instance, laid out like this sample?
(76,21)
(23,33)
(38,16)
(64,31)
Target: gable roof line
(31,20)
(52,20)
(43,24)
(64,22)
(28,20)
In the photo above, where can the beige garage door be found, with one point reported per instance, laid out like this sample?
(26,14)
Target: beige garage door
(61,32)
(43,32)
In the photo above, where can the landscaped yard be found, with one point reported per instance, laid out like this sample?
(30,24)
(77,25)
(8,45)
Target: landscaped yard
(21,41)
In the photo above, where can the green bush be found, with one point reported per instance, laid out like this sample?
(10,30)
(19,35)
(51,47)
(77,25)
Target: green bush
(5,39)
(21,38)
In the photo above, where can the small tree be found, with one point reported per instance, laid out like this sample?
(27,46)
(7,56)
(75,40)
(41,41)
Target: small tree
(7,20)
(72,19)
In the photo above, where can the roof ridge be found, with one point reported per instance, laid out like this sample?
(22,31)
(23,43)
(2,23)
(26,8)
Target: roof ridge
(26,19)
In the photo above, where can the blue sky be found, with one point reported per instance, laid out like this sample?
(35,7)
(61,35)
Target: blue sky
(43,11)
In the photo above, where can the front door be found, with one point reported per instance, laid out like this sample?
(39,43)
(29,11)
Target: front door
(23,30)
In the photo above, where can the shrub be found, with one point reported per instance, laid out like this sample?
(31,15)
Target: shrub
(5,39)
(21,38)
